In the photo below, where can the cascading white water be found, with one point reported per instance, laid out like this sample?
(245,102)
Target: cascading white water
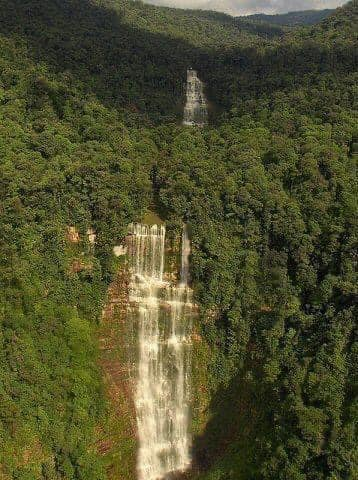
(163,384)
(196,108)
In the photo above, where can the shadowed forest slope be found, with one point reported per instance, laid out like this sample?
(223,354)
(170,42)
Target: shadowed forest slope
(130,61)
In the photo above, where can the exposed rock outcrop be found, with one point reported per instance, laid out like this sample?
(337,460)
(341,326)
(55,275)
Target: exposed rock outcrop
(117,346)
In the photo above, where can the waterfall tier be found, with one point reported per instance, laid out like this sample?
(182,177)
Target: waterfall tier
(195,110)
(163,389)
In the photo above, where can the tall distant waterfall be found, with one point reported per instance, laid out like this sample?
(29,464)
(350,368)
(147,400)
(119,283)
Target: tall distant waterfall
(162,392)
(196,109)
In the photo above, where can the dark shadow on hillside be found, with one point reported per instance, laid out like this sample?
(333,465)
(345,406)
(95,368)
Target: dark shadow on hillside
(144,73)
(254,74)
(125,67)
(239,427)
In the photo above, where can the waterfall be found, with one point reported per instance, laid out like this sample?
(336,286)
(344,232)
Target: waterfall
(163,384)
(196,109)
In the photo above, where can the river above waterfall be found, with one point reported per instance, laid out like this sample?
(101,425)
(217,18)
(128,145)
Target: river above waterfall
(162,395)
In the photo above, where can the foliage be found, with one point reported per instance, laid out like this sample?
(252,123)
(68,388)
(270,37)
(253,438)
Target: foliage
(90,99)
(292,19)
(65,160)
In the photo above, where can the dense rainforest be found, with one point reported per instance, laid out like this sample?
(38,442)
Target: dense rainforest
(292,19)
(91,101)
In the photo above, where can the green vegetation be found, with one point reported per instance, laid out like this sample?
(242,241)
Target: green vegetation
(91,98)
(293,19)
(66,160)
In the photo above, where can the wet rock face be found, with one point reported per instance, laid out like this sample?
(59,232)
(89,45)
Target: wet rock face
(196,110)
(117,345)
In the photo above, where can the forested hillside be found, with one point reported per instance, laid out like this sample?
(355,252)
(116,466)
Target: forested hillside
(91,98)
(293,19)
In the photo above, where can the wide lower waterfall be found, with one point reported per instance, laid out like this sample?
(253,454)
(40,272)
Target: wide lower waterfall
(163,382)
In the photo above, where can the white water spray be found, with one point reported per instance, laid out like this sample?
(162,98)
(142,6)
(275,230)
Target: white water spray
(163,389)
(196,109)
